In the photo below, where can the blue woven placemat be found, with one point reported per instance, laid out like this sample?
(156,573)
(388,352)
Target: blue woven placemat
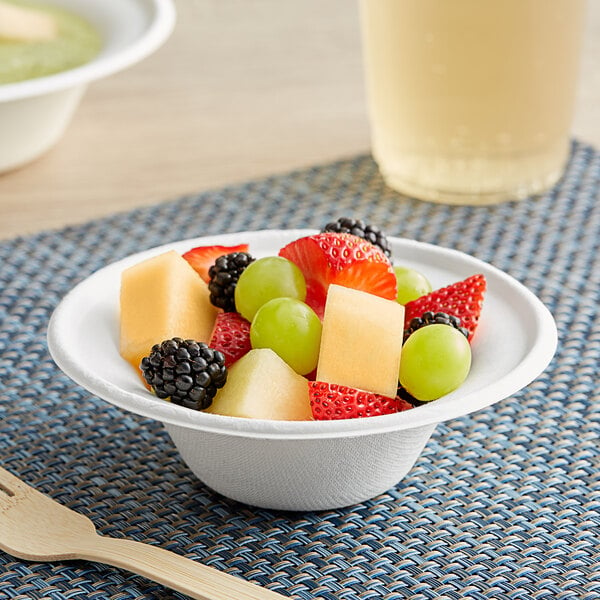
(504,503)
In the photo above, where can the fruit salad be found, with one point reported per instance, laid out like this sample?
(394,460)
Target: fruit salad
(332,327)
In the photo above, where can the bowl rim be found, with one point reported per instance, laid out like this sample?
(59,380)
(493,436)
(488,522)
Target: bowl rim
(144,404)
(159,29)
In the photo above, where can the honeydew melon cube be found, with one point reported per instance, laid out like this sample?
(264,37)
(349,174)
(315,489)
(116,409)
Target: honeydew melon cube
(162,297)
(361,341)
(261,385)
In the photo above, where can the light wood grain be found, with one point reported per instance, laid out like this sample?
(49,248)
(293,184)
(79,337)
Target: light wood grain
(241,90)
(35,527)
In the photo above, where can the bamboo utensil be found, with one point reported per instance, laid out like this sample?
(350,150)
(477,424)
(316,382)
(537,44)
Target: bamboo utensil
(35,527)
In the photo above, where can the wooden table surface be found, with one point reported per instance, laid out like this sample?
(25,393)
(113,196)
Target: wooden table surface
(240,90)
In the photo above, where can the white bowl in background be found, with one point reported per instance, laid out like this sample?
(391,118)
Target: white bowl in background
(308,465)
(35,113)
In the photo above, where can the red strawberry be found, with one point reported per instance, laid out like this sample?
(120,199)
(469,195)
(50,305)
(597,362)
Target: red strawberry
(344,259)
(203,257)
(330,401)
(403,404)
(463,299)
(231,336)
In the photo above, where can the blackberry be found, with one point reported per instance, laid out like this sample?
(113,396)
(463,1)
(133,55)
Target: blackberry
(224,275)
(186,371)
(362,230)
(430,318)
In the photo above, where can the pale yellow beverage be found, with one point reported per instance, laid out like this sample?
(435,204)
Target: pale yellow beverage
(471,101)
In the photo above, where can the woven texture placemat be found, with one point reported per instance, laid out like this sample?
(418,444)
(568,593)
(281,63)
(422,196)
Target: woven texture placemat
(504,503)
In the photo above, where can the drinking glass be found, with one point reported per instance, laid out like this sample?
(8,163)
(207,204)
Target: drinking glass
(471,101)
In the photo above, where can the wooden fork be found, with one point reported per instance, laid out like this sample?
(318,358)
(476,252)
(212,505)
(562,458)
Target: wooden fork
(35,527)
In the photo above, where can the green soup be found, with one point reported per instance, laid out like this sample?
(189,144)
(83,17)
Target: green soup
(77,43)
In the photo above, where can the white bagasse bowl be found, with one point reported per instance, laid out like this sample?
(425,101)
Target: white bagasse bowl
(35,113)
(307,465)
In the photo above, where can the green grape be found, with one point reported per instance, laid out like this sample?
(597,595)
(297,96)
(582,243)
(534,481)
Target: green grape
(435,360)
(411,284)
(265,279)
(291,329)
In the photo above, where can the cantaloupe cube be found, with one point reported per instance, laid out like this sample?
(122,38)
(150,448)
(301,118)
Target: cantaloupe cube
(260,385)
(162,297)
(361,341)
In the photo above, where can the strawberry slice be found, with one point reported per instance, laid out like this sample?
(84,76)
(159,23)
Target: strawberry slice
(330,401)
(403,404)
(203,257)
(231,336)
(463,299)
(344,259)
